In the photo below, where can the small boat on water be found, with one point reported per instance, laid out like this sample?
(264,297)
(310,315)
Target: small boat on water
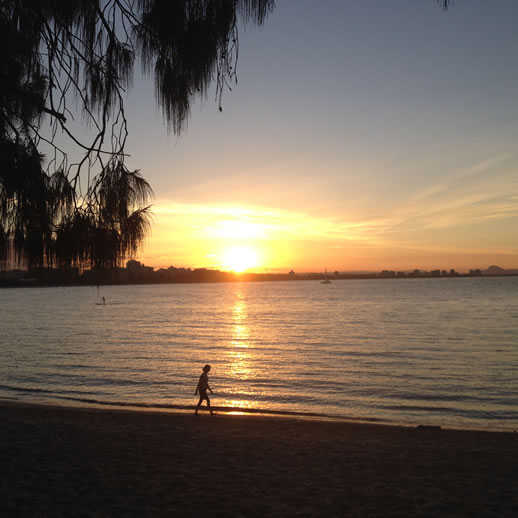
(326,280)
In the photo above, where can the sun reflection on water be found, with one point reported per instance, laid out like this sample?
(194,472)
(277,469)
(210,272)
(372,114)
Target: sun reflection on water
(240,354)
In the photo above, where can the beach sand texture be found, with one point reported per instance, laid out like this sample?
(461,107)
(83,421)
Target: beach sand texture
(58,461)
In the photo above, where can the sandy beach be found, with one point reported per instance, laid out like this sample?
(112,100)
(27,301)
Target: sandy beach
(59,461)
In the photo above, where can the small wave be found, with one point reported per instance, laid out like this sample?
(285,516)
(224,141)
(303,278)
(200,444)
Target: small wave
(190,407)
(418,408)
(26,389)
(32,390)
(471,413)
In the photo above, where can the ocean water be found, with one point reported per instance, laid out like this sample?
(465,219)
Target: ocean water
(405,351)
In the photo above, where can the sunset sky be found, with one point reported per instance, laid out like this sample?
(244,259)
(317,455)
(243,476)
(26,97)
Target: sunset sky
(361,136)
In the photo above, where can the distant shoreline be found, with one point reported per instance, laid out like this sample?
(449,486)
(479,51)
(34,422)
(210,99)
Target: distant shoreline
(217,277)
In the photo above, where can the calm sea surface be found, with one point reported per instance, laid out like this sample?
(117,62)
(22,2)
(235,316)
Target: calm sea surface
(407,351)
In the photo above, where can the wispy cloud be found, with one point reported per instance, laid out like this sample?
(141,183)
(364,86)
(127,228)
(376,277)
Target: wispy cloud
(441,218)
(260,222)
(440,207)
(476,193)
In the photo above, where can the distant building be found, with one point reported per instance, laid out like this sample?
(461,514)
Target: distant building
(138,271)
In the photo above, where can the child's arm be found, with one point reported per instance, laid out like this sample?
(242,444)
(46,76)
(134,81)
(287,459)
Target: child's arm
(197,387)
(208,386)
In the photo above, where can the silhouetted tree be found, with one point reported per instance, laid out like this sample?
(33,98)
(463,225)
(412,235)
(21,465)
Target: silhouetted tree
(92,210)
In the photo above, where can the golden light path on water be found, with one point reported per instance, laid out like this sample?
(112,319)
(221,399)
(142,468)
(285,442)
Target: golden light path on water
(239,353)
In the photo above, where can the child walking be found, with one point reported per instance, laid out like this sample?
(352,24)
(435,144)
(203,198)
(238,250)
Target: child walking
(203,386)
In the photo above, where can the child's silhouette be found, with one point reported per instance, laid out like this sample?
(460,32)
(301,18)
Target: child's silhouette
(203,386)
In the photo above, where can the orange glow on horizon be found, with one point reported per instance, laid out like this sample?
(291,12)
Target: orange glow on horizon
(260,239)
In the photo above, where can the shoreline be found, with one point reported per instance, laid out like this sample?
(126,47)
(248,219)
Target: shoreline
(60,460)
(238,413)
(85,404)
(167,408)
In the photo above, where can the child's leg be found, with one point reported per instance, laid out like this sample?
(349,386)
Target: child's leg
(208,405)
(199,404)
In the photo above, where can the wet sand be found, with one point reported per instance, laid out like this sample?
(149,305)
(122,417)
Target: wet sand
(58,461)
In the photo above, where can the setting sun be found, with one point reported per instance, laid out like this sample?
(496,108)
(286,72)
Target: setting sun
(239,259)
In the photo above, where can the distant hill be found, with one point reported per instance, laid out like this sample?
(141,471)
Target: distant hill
(496,270)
